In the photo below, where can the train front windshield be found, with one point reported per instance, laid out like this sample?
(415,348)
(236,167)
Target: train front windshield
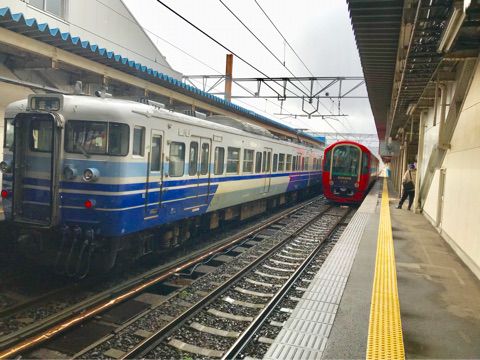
(346,161)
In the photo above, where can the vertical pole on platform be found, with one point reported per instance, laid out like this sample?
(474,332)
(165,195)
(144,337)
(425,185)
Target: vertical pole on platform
(228,77)
(417,206)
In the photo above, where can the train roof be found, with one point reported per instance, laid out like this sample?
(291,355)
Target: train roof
(114,108)
(350,142)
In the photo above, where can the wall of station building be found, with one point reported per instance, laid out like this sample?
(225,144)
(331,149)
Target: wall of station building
(106,23)
(456,213)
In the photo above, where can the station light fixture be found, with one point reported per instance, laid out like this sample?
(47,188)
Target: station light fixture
(451,30)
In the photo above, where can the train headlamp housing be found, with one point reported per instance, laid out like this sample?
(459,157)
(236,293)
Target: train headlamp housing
(5,166)
(330,182)
(356,185)
(91,175)
(69,172)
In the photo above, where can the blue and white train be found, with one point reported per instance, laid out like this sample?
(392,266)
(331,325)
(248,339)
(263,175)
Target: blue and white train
(93,177)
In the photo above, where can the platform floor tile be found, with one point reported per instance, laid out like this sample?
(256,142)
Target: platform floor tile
(305,333)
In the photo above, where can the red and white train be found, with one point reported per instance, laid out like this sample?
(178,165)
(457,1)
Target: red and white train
(349,170)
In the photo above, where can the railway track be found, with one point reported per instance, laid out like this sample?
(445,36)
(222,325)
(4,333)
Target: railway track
(165,277)
(226,321)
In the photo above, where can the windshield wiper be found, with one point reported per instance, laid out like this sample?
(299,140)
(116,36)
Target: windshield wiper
(82,149)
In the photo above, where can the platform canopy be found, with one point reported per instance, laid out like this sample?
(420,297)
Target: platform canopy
(406,45)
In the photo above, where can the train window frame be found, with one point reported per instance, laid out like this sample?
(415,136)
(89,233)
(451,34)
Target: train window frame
(216,162)
(364,163)
(275,163)
(258,162)
(182,162)
(249,161)
(281,162)
(126,139)
(106,151)
(141,143)
(327,158)
(156,164)
(233,160)
(8,137)
(269,161)
(289,162)
(204,158)
(32,140)
(190,163)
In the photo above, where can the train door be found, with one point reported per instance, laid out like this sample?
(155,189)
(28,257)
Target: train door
(35,170)
(154,187)
(267,169)
(199,165)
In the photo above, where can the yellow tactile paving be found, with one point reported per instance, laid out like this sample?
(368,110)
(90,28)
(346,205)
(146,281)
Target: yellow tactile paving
(385,340)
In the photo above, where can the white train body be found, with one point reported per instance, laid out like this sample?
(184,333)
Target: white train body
(117,167)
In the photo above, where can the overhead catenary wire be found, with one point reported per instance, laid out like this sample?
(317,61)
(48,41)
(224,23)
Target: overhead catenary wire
(261,42)
(153,33)
(210,67)
(290,46)
(226,48)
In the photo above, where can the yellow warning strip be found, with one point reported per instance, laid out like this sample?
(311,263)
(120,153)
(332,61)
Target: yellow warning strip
(385,339)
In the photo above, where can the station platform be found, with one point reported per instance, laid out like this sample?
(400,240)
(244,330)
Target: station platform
(390,288)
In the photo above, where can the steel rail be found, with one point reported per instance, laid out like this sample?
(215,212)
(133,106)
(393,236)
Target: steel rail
(25,340)
(152,342)
(244,339)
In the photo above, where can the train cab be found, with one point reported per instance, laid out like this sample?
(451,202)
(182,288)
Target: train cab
(349,170)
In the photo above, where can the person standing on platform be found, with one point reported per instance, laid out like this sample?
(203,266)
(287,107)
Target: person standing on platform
(408,182)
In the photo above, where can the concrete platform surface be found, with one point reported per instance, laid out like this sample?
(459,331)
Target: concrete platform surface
(439,296)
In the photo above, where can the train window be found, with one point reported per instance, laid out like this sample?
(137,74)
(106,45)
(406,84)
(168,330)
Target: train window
(275,162)
(138,141)
(205,159)
(294,164)
(156,160)
(233,160)
(364,163)
(248,161)
(193,158)
(258,162)
(90,137)
(289,163)
(326,165)
(346,161)
(177,159)
(219,162)
(304,163)
(269,161)
(118,139)
(86,137)
(8,136)
(281,162)
(41,135)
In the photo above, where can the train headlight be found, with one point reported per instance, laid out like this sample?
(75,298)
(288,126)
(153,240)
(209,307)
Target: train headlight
(331,182)
(91,175)
(5,166)
(69,172)
(356,185)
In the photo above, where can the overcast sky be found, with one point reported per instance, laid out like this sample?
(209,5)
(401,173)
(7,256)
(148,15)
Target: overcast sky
(318,30)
